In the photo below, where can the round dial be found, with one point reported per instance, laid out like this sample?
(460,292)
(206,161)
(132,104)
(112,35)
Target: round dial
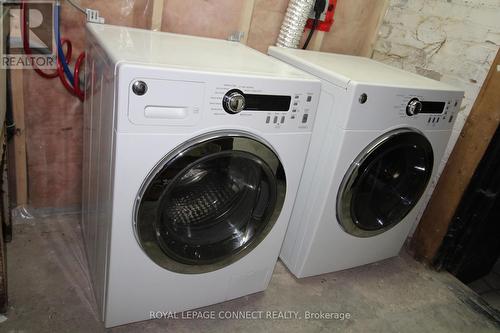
(414,107)
(234,101)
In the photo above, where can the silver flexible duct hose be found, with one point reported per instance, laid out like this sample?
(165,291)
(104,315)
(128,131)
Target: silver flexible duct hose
(294,22)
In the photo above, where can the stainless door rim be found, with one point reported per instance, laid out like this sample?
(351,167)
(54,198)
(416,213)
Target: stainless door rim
(345,191)
(194,141)
(154,252)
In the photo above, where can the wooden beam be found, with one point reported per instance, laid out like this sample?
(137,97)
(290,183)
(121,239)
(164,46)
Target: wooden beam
(246,19)
(20,137)
(317,41)
(369,43)
(157,15)
(474,139)
(355,28)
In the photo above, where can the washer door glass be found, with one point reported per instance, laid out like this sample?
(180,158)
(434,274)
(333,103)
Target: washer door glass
(210,203)
(384,183)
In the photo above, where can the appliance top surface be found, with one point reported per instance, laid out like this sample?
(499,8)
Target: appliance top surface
(163,49)
(342,69)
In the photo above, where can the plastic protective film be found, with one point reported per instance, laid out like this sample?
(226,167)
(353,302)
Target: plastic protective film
(54,117)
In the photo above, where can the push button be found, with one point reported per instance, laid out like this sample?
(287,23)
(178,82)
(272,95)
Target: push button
(275,120)
(309,98)
(304,118)
(268,119)
(282,119)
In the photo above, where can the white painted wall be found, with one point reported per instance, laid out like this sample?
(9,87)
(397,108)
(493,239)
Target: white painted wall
(453,41)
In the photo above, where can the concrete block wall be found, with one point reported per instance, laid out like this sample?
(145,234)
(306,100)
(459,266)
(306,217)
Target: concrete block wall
(453,41)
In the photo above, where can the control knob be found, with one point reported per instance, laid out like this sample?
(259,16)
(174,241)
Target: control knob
(234,101)
(414,107)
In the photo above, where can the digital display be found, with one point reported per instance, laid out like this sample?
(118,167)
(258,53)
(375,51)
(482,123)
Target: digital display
(433,107)
(267,102)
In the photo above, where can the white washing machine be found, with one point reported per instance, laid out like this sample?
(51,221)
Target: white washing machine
(379,137)
(194,149)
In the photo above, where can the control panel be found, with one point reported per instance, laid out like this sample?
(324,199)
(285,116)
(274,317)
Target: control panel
(375,107)
(262,103)
(235,101)
(433,111)
(275,110)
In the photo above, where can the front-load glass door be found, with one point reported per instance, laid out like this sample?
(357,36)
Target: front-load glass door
(384,183)
(209,203)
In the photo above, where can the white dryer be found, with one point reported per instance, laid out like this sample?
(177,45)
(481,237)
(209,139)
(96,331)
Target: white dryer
(379,137)
(194,149)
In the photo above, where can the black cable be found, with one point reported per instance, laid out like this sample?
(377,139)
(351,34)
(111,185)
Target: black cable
(319,7)
(311,32)
(9,114)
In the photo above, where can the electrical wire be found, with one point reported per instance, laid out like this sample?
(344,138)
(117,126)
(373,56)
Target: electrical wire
(319,7)
(80,8)
(311,32)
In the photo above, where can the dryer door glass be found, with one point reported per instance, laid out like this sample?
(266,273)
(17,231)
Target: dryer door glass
(210,203)
(385,182)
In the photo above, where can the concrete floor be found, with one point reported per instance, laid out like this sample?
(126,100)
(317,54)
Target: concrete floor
(489,286)
(50,292)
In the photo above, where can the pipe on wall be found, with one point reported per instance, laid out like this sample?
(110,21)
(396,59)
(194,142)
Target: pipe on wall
(294,22)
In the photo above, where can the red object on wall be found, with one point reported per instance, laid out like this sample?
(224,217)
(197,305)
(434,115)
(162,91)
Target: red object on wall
(325,25)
